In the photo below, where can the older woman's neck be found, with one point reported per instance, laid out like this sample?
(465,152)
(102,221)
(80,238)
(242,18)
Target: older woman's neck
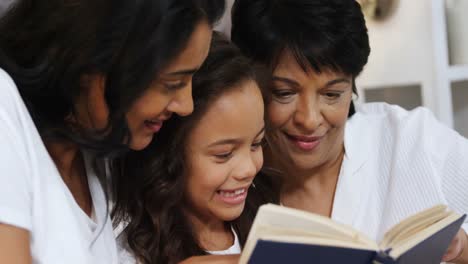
(311,190)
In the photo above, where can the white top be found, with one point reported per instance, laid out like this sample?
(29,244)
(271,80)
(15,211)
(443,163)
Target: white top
(234,249)
(126,257)
(398,163)
(34,197)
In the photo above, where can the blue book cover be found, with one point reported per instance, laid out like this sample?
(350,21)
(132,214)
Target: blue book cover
(270,243)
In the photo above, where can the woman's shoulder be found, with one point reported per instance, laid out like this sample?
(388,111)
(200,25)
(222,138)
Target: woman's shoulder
(15,119)
(383,116)
(386,126)
(8,86)
(5,77)
(392,112)
(377,126)
(11,103)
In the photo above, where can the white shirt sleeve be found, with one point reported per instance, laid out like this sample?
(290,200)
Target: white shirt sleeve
(452,156)
(449,152)
(15,195)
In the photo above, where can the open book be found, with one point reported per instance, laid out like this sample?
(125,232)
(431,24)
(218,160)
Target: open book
(285,235)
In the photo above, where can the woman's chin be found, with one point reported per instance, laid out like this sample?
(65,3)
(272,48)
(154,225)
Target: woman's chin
(304,161)
(140,143)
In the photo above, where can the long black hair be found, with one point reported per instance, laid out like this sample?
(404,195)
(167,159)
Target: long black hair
(48,46)
(157,230)
(325,34)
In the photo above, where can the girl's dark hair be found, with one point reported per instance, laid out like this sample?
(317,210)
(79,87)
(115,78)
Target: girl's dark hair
(157,230)
(325,34)
(48,46)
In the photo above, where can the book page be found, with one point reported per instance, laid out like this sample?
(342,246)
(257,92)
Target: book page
(271,233)
(413,224)
(404,245)
(299,221)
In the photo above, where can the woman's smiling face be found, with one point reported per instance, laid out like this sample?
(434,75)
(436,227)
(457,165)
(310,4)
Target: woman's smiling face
(307,113)
(170,93)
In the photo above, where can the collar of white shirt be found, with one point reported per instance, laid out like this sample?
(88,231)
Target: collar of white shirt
(351,185)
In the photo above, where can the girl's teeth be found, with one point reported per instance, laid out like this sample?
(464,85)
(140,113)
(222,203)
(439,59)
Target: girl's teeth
(239,191)
(232,194)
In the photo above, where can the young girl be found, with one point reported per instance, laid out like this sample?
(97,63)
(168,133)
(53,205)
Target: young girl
(199,193)
(81,81)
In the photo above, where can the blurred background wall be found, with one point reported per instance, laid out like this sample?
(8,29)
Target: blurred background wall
(4,4)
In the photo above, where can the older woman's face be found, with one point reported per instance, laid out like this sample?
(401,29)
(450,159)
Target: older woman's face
(308,113)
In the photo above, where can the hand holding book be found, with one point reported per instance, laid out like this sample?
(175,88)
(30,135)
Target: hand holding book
(458,249)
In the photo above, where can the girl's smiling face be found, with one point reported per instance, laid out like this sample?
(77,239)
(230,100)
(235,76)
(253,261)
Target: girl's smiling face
(224,154)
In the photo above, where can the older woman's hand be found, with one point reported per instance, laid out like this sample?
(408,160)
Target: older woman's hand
(458,249)
(225,259)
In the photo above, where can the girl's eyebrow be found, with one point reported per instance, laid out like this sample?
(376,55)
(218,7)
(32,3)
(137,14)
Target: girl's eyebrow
(229,141)
(233,141)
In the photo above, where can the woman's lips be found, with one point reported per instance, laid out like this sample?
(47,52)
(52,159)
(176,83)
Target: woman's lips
(153,126)
(304,143)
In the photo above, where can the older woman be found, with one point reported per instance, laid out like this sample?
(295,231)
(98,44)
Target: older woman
(369,166)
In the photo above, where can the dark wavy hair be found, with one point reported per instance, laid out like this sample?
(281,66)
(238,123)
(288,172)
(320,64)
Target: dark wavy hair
(157,230)
(322,34)
(48,46)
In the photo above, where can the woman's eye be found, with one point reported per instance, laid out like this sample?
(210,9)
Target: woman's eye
(257,145)
(174,85)
(224,156)
(283,93)
(333,95)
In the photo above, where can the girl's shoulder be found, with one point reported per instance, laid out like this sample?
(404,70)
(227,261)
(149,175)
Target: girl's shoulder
(232,250)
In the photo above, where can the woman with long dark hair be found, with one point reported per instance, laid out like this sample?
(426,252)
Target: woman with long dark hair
(80,83)
(203,166)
